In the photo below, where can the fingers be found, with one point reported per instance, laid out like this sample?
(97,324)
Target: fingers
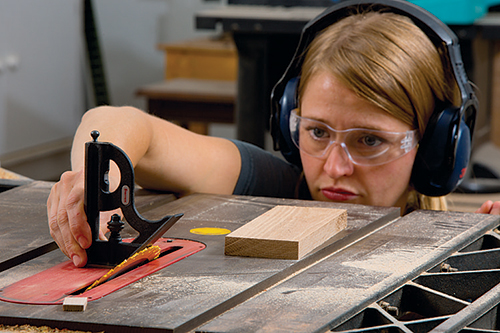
(52,212)
(67,220)
(490,207)
(485,207)
(495,208)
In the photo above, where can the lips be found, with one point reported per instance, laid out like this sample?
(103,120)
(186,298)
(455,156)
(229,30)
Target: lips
(338,194)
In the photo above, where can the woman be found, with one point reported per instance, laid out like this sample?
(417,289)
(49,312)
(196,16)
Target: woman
(402,77)
(368,81)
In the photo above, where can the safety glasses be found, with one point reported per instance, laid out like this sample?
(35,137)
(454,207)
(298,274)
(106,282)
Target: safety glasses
(362,146)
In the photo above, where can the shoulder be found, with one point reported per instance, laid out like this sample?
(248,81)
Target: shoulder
(265,174)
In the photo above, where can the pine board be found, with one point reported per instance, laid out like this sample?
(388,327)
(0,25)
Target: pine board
(286,232)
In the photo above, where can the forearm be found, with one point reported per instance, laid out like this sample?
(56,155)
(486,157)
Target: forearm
(126,127)
(165,156)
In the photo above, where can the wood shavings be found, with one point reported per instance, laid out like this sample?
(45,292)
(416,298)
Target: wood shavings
(35,329)
(148,254)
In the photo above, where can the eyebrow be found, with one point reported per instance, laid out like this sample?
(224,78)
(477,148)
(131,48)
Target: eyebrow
(357,126)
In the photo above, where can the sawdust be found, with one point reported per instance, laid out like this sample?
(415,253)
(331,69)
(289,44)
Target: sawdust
(6,174)
(191,285)
(34,329)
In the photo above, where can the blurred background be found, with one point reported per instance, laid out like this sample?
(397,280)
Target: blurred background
(208,65)
(45,84)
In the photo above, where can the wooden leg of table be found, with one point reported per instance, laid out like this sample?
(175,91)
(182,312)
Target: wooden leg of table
(193,126)
(198,127)
(495,96)
(482,55)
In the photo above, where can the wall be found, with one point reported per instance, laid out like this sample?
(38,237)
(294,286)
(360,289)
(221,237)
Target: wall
(130,31)
(41,86)
(42,63)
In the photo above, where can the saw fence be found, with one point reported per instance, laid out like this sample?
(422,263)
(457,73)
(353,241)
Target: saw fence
(425,272)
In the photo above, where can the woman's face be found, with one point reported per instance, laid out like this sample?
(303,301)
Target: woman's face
(335,177)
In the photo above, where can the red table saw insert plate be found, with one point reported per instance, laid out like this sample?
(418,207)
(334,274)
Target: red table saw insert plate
(56,283)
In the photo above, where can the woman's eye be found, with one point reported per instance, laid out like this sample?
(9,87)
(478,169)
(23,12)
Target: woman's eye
(371,140)
(318,132)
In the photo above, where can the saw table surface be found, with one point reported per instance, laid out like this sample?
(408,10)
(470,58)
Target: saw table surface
(377,253)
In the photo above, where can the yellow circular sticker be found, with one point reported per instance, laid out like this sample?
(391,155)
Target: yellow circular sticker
(210,231)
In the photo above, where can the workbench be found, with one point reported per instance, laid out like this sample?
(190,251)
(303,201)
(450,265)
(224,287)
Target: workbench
(426,270)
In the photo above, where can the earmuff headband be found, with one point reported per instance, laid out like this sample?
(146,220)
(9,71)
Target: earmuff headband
(444,150)
(438,32)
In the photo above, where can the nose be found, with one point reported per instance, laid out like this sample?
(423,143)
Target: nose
(338,163)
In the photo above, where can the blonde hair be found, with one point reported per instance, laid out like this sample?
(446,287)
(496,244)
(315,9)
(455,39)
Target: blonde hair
(387,60)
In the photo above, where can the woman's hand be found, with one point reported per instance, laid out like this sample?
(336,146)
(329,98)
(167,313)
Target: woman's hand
(490,207)
(196,163)
(67,220)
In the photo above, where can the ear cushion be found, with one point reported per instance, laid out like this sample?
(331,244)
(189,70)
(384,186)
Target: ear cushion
(443,154)
(288,103)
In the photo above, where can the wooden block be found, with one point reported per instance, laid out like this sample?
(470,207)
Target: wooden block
(75,304)
(286,232)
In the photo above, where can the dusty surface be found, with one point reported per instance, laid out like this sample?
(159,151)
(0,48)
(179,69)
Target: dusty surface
(33,329)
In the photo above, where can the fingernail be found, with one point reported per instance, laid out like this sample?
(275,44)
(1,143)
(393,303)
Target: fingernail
(76,260)
(82,241)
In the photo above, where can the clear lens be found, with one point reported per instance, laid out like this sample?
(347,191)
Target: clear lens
(363,146)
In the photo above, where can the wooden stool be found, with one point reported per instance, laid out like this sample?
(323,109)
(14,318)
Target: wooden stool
(192,103)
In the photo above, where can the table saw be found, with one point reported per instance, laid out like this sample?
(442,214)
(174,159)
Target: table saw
(384,273)
(428,271)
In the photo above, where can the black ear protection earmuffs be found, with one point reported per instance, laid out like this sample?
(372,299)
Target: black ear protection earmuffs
(444,151)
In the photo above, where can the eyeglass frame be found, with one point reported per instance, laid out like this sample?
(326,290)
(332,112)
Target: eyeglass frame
(408,143)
